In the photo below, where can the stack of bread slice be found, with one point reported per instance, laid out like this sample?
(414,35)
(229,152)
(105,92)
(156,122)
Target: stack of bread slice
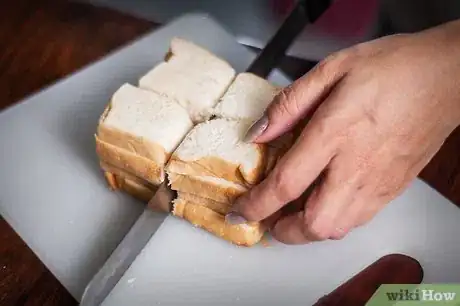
(186,120)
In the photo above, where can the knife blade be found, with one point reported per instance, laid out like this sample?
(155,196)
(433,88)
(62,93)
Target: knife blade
(160,205)
(132,244)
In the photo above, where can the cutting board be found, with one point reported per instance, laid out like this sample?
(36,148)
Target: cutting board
(54,195)
(52,191)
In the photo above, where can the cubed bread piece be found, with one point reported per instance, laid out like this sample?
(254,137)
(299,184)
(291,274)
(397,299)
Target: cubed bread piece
(247,98)
(139,130)
(200,215)
(216,148)
(193,76)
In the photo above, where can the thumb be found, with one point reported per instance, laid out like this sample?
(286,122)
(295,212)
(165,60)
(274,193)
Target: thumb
(299,99)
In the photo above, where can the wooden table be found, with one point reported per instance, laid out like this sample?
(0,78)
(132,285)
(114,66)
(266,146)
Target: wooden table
(45,40)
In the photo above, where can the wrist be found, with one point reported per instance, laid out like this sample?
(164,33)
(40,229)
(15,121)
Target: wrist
(448,36)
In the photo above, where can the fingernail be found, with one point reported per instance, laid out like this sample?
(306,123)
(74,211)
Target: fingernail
(256,129)
(235,218)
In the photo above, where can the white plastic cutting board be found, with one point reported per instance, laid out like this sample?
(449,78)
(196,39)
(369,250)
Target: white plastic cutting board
(54,196)
(51,189)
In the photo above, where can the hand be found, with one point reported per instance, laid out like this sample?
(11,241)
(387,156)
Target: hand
(377,113)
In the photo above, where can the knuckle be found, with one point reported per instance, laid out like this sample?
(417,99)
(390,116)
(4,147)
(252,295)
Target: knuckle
(286,103)
(336,61)
(253,211)
(339,234)
(248,207)
(323,66)
(282,185)
(319,229)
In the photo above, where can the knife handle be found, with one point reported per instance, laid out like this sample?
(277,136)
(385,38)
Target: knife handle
(306,11)
(390,269)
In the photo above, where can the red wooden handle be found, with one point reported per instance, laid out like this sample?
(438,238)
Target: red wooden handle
(390,269)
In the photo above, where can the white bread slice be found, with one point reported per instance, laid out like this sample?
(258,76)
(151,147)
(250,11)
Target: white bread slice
(218,207)
(140,191)
(247,98)
(126,175)
(200,215)
(215,148)
(139,130)
(193,76)
(209,187)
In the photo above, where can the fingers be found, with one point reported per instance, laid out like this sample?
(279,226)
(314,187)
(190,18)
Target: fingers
(299,99)
(325,218)
(291,176)
(290,230)
(271,221)
(319,220)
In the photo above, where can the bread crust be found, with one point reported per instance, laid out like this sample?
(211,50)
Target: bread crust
(111,180)
(219,207)
(122,173)
(139,166)
(220,168)
(135,189)
(140,192)
(213,222)
(205,189)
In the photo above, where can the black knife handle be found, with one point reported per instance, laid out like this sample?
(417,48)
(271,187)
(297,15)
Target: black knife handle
(305,11)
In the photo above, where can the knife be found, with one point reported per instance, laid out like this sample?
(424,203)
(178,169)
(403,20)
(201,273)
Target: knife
(160,205)
(389,269)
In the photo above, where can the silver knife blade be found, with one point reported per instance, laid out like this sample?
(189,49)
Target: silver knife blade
(132,244)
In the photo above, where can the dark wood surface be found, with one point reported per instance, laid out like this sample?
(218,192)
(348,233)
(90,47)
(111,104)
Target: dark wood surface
(45,40)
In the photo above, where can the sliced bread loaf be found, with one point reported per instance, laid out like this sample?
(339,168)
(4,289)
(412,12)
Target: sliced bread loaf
(139,130)
(193,76)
